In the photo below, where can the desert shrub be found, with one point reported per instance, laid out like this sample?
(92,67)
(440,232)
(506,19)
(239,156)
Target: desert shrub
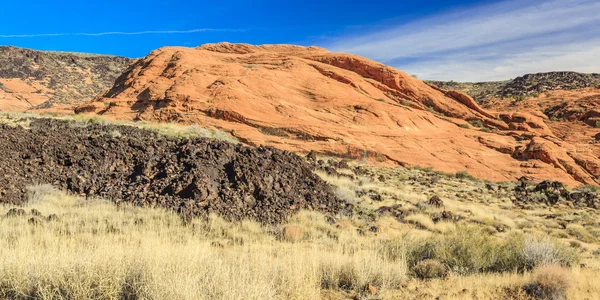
(597,124)
(471,249)
(429,269)
(485,129)
(550,282)
(476,123)
(466,126)
(380,99)
(580,233)
(590,187)
(543,251)
(464,175)
(520,98)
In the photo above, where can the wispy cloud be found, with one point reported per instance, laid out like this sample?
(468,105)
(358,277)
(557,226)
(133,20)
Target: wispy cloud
(490,42)
(121,33)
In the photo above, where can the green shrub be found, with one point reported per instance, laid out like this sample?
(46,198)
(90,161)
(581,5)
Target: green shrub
(464,175)
(485,129)
(380,99)
(466,126)
(597,124)
(476,123)
(471,249)
(520,98)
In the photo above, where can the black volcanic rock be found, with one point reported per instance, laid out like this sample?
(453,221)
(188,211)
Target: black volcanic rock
(192,176)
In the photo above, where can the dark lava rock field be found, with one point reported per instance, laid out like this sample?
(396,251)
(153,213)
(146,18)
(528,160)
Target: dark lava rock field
(129,165)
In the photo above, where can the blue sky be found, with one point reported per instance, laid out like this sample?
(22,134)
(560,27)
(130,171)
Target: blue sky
(451,39)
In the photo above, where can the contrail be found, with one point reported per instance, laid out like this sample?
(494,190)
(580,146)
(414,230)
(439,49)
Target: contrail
(121,33)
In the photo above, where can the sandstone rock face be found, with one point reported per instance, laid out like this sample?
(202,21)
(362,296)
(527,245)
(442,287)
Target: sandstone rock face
(37,79)
(306,98)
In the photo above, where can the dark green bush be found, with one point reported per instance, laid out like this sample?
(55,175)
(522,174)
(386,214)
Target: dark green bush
(464,175)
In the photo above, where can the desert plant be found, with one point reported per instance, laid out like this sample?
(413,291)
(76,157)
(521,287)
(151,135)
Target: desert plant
(476,123)
(464,175)
(74,255)
(550,282)
(520,98)
(542,251)
(430,269)
(470,249)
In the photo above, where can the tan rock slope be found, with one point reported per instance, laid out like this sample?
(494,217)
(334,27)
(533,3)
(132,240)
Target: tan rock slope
(301,99)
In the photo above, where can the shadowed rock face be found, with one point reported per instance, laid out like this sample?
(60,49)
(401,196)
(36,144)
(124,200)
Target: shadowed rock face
(39,79)
(194,177)
(306,98)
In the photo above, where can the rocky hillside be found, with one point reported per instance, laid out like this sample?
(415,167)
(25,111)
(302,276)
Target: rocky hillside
(306,98)
(39,79)
(192,176)
(478,90)
(527,85)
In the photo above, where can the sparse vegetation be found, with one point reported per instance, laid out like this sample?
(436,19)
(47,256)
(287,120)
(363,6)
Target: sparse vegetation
(476,123)
(464,175)
(166,129)
(429,269)
(471,250)
(74,255)
(550,283)
(3,88)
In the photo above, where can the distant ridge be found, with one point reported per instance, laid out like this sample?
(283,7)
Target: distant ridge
(523,86)
(41,79)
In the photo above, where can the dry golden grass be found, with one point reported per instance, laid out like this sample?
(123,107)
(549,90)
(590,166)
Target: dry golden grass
(166,129)
(98,250)
(14,120)
(95,249)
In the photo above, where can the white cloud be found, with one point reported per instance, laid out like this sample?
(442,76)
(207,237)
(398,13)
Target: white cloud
(120,33)
(490,42)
